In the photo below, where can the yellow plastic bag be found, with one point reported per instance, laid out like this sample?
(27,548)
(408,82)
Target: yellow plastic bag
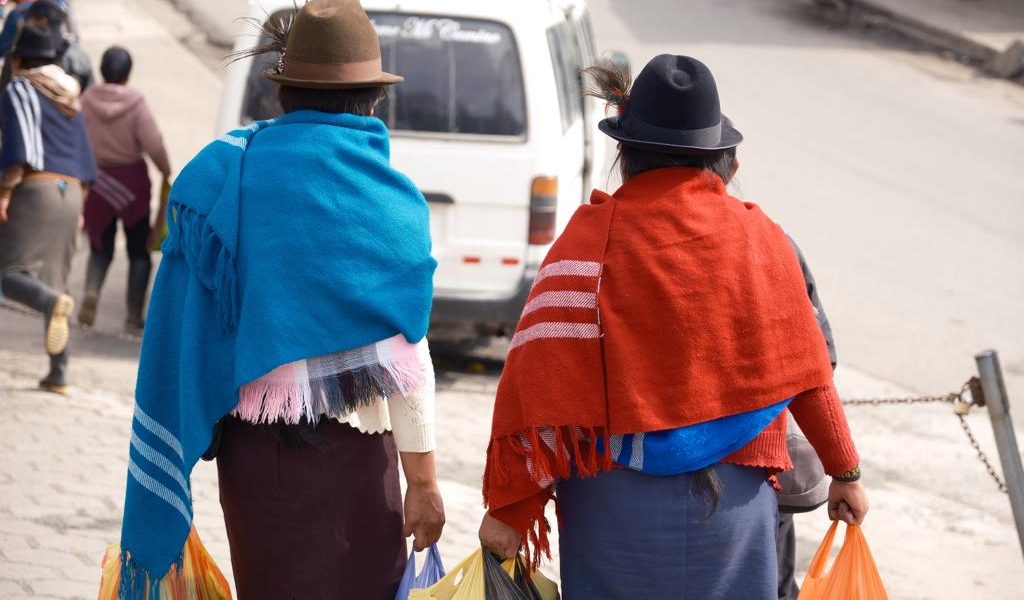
(165,194)
(853,576)
(198,579)
(468,580)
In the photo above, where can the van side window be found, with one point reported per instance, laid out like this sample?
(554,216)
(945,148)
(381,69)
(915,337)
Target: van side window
(462,76)
(567,62)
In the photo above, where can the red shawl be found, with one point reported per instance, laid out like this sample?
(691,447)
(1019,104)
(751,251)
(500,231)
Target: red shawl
(668,304)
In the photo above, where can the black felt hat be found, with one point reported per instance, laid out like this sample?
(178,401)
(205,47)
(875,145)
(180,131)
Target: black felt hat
(35,42)
(673,108)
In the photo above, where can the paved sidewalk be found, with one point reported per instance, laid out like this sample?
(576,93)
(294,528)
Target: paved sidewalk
(991,23)
(982,30)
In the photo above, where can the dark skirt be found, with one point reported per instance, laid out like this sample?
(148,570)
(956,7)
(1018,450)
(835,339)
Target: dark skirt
(626,535)
(120,192)
(307,522)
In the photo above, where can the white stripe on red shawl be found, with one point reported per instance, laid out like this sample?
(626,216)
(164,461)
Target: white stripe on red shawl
(561,282)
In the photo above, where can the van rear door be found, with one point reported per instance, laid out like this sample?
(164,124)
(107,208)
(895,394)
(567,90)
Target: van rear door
(459,131)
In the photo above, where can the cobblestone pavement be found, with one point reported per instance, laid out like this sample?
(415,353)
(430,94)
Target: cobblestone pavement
(63,461)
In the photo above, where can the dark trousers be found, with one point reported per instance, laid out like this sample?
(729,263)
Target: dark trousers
(29,291)
(786,541)
(309,521)
(140,265)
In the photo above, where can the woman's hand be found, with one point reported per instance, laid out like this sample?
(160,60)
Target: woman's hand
(5,201)
(499,538)
(847,502)
(424,515)
(424,509)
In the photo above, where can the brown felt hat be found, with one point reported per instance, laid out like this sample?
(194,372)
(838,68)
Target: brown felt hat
(332,45)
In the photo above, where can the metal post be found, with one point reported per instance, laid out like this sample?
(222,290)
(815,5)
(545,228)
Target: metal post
(1006,442)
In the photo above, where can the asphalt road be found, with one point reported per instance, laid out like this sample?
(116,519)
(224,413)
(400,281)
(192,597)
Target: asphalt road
(897,172)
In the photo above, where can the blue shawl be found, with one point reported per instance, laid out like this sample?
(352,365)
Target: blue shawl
(289,239)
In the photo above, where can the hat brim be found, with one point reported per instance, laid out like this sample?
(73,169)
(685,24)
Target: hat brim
(731,137)
(385,79)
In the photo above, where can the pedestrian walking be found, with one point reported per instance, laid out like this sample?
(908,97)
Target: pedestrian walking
(12,24)
(52,15)
(291,307)
(668,333)
(17,18)
(123,133)
(47,162)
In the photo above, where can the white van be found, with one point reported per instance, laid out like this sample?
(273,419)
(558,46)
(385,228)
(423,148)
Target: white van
(492,126)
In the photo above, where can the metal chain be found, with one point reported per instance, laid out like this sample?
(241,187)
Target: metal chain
(962,404)
(947,399)
(981,455)
(114,335)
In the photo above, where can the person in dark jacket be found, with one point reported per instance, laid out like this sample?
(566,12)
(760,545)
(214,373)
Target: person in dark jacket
(12,26)
(46,162)
(52,15)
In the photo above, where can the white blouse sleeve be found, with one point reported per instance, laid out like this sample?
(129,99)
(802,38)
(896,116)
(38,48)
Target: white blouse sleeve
(412,416)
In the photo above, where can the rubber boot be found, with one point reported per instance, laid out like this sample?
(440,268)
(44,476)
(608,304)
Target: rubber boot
(56,380)
(27,290)
(138,284)
(95,275)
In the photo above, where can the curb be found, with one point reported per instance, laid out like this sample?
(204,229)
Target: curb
(215,33)
(1007,63)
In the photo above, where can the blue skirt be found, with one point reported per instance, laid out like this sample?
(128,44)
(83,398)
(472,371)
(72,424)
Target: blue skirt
(628,535)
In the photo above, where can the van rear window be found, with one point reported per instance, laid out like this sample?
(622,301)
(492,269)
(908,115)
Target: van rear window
(461,76)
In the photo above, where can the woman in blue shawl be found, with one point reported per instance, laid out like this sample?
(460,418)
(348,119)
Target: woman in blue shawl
(288,316)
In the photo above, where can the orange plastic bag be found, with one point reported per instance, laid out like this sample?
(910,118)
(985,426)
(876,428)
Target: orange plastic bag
(199,578)
(853,575)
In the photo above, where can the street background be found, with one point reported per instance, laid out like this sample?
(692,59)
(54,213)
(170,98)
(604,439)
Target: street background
(896,169)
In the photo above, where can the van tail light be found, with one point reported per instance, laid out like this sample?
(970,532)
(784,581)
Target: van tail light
(543,209)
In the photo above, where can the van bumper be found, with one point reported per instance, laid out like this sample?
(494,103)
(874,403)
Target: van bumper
(486,316)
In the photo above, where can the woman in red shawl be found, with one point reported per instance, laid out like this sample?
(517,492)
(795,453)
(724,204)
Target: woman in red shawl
(668,333)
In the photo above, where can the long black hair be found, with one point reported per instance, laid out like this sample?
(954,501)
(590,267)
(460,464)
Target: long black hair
(612,84)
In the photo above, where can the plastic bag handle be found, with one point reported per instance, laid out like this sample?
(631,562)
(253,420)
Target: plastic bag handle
(430,572)
(821,556)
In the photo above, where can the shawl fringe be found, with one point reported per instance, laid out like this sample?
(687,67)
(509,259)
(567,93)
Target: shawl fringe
(193,576)
(207,257)
(136,582)
(550,454)
(334,396)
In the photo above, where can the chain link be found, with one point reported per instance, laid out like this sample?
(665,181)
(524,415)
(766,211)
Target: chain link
(962,402)
(947,399)
(981,455)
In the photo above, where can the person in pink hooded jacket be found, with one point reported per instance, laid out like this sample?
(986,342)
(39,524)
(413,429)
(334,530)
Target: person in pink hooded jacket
(123,132)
